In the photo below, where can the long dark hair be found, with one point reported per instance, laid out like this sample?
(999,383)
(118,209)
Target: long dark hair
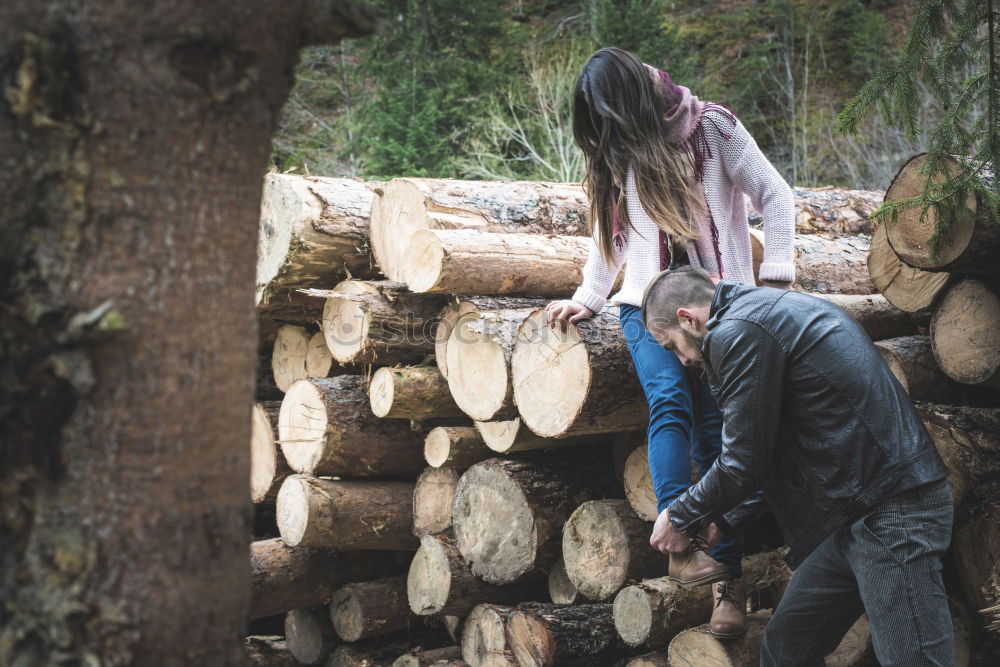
(619,111)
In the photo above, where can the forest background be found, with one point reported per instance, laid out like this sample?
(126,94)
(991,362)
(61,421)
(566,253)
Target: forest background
(482,89)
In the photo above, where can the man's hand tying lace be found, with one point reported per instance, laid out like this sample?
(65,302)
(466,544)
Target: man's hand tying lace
(666,539)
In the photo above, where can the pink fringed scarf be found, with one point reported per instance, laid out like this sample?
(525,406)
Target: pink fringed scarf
(684,129)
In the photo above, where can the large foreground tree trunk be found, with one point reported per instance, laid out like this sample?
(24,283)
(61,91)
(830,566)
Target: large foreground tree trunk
(135,138)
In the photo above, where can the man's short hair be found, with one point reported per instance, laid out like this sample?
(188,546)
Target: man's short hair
(683,287)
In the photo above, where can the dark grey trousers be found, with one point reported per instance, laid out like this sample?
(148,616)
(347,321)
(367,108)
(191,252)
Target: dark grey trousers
(888,564)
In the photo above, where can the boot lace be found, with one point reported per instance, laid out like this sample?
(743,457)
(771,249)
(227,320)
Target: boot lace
(726,593)
(698,543)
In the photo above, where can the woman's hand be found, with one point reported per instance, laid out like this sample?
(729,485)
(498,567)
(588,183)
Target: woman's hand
(779,284)
(567,310)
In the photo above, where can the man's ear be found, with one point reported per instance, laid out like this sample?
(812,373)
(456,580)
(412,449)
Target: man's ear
(687,319)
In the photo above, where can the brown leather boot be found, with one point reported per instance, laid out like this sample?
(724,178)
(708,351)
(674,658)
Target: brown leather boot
(695,567)
(729,618)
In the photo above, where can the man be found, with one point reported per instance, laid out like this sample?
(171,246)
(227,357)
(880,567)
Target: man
(814,419)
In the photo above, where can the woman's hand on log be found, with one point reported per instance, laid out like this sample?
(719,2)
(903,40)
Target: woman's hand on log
(567,310)
(777,284)
(665,538)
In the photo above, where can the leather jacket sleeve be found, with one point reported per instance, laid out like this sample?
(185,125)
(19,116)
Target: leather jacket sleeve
(746,368)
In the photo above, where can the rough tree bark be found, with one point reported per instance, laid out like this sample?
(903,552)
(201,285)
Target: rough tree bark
(286,578)
(133,132)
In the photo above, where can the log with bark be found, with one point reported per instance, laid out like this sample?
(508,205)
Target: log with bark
(479,353)
(286,578)
(440,582)
(653,659)
(287,306)
(268,468)
(653,611)
(411,392)
(326,427)
(856,647)
(825,264)
(379,652)
(449,656)
(964,333)
(508,515)
(269,652)
(370,608)
(967,440)
(912,361)
(512,435)
(308,635)
(639,484)
(561,589)
(542,634)
(433,495)
(450,314)
(476,262)
(578,381)
(906,287)
(879,318)
(313,231)
(484,637)
(697,647)
(407,205)
(604,545)
(346,515)
(829,210)
(288,356)
(971,243)
(378,322)
(455,447)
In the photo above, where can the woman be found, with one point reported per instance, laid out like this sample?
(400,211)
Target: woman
(666,174)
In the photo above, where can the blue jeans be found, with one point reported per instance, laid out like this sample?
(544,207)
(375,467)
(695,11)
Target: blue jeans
(888,564)
(682,413)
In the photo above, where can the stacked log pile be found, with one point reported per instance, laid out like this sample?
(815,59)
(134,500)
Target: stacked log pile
(951,278)
(440,462)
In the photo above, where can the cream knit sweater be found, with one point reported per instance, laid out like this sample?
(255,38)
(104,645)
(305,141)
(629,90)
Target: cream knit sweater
(736,166)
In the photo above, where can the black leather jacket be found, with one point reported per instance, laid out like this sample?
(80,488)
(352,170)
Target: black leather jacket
(811,415)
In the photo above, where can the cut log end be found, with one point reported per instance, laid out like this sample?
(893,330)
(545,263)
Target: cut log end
(346,322)
(288,358)
(293,511)
(596,548)
(500,436)
(432,500)
(478,372)
(302,426)
(369,609)
(454,446)
(484,637)
(499,536)
(437,447)
(424,261)
(530,641)
(633,615)
(964,333)
(551,375)
(308,636)
(639,485)
(910,231)
(264,455)
(428,584)
(319,361)
(907,288)
(561,589)
(381,391)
